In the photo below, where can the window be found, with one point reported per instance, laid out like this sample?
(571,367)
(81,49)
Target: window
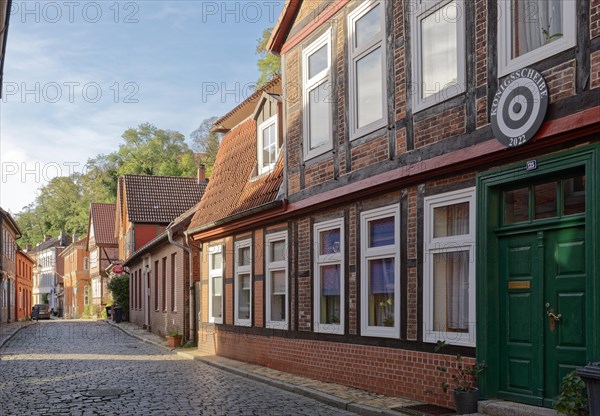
(86,295)
(380,271)
(317,92)
(329,277)
(163,281)
(268,149)
(532,30)
(438,53)
(276,280)
(368,68)
(86,263)
(243,283)
(173,282)
(94,259)
(449,269)
(215,284)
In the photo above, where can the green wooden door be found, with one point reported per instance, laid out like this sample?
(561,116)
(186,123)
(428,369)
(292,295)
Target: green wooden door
(541,273)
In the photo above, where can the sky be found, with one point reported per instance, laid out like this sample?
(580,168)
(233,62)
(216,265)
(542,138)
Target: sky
(77,74)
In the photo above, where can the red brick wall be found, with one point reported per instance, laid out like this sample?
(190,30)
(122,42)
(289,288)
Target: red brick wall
(594,18)
(595,70)
(440,127)
(561,81)
(318,173)
(304,299)
(370,153)
(388,371)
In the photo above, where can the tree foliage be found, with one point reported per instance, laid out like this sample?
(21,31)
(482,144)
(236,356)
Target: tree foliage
(269,64)
(63,204)
(206,143)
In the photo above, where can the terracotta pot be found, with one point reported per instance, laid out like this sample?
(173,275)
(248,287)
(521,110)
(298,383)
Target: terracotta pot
(173,341)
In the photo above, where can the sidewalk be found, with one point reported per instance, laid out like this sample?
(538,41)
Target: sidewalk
(7,331)
(343,397)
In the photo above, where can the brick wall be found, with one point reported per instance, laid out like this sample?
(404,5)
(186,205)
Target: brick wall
(594,18)
(595,70)
(389,371)
(370,153)
(440,126)
(318,173)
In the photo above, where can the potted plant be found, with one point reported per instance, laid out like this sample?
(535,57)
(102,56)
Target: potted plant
(174,338)
(465,393)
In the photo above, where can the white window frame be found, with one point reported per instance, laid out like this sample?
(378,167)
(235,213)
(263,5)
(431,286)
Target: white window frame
(272,266)
(355,54)
(260,143)
(211,275)
(323,260)
(506,64)
(246,269)
(308,85)
(424,8)
(374,253)
(447,245)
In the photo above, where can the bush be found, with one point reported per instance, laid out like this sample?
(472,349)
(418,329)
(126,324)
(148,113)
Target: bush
(572,400)
(119,287)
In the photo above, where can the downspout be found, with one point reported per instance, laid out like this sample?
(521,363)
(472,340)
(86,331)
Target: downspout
(191,279)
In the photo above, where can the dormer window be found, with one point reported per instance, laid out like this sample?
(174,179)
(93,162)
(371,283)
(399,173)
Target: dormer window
(268,149)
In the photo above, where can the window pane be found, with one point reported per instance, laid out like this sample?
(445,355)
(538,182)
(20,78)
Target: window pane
(381,232)
(217,261)
(244,296)
(317,61)
(216,306)
(318,108)
(574,195)
(269,145)
(451,291)
(516,206)
(439,52)
(330,241)
(535,24)
(451,220)
(278,296)
(369,88)
(381,292)
(217,286)
(330,294)
(545,200)
(244,256)
(278,251)
(278,282)
(368,26)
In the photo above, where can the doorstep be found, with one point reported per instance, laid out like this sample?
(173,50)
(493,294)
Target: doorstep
(505,408)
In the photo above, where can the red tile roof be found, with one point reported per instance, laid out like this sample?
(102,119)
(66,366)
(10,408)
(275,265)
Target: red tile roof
(232,189)
(160,199)
(103,220)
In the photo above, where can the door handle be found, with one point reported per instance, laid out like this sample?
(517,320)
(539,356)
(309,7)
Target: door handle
(553,319)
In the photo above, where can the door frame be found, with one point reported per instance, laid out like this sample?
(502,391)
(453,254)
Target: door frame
(489,187)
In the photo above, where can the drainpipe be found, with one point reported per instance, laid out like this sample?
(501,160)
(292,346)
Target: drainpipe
(191,278)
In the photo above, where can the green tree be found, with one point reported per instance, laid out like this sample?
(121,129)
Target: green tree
(269,64)
(206,143)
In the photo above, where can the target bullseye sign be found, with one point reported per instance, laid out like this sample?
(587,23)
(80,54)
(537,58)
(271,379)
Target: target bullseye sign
(519,107)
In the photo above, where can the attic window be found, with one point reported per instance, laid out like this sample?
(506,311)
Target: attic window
(268,150)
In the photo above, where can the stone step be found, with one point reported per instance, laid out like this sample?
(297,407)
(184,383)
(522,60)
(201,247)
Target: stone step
(504,408)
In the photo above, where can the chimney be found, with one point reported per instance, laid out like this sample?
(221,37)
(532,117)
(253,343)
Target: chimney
(75,237)
(47,237)
(201,174)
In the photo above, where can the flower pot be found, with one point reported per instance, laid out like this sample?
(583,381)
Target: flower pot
(173,341)
(466,401)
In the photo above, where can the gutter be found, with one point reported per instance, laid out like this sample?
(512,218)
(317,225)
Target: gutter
(265,207)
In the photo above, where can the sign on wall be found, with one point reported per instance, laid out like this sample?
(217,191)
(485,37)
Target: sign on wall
(519,107)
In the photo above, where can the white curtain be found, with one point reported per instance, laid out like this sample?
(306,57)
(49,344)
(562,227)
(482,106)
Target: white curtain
(457,271)
(535,23)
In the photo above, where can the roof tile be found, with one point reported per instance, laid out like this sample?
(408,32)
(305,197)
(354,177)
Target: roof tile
(103,220)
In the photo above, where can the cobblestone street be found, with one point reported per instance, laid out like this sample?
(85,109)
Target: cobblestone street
(91,368)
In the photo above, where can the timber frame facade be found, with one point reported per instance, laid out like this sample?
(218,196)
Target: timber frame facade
(403,220)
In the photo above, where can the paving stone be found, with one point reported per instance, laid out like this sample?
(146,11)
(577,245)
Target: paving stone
(51,367)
